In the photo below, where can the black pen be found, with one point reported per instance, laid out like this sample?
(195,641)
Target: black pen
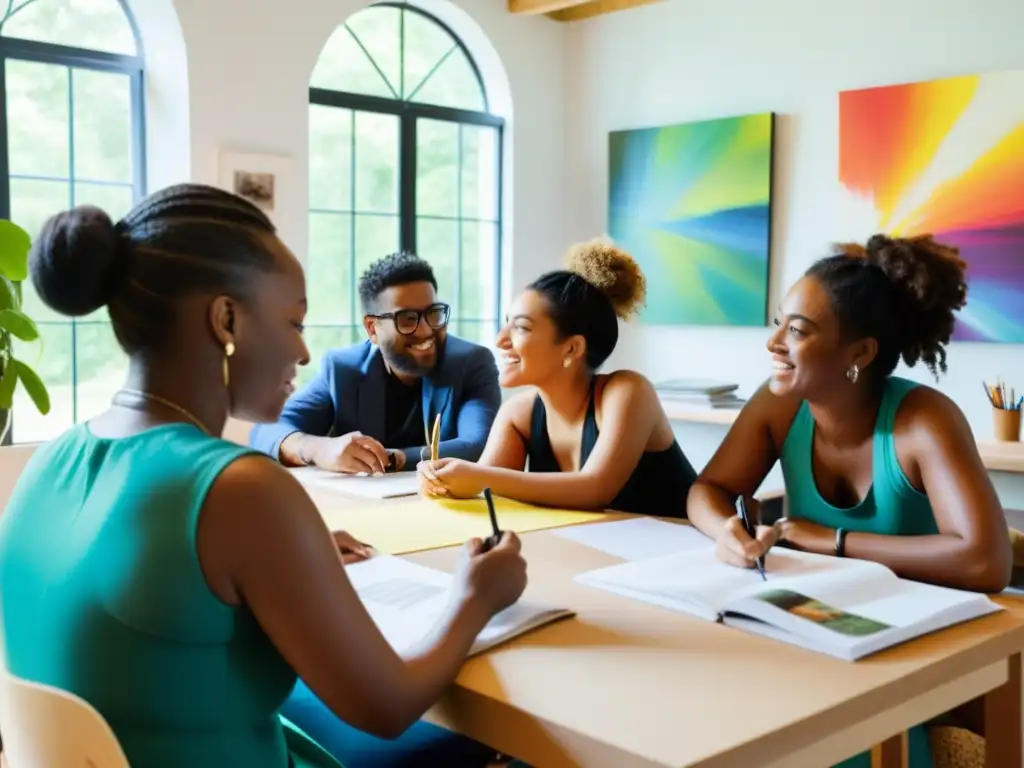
(741,509)
(491,541)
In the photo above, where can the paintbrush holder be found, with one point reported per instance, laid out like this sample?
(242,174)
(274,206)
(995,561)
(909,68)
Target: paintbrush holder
(1006,425)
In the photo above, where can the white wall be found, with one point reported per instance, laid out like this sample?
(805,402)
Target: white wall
(248,69)
(684,60)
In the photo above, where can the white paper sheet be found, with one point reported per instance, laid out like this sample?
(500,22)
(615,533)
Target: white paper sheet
(366,486)
(637,539)
(406,600)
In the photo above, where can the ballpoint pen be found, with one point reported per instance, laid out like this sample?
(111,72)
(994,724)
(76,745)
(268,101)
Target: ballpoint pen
(491,541)
(741,510)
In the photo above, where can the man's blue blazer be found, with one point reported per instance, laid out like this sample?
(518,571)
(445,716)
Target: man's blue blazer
(348,395)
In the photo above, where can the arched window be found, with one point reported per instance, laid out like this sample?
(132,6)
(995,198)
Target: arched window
(71,133)
(403,154)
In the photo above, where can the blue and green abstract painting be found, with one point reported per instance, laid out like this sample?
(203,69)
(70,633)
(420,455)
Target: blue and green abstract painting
(692,204)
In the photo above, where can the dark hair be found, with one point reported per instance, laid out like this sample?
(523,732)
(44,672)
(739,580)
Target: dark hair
(600,285)
(902,292)
(183,239)
(399,268)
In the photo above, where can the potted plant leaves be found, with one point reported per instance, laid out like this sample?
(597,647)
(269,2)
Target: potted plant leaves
(15,324)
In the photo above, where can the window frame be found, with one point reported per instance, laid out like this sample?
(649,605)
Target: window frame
(408,114)
(20,49)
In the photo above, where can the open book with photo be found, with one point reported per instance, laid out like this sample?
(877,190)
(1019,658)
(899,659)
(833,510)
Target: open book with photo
(406,600)
(839,606)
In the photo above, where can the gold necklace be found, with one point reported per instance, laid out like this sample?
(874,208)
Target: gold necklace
(163,401)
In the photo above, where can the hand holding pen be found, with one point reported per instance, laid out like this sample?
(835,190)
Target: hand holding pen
(491,541)
(748,526)
(742,546)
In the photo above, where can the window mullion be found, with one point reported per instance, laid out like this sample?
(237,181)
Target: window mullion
(353,293)
(138,137)
(499,220)
(458,223)
(71,198)
(407,183)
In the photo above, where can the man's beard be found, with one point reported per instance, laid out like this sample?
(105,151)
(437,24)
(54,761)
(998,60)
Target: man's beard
(405,362)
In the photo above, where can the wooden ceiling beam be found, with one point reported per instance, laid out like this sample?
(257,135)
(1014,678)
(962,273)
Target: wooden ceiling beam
(578,11)
(542,6)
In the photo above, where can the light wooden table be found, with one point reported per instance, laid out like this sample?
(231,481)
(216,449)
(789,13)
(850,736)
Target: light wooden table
(628,684)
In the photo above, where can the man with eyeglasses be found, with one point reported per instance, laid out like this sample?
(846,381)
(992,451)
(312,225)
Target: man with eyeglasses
(372,406)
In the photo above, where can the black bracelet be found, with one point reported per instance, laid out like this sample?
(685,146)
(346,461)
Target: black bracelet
(840,548)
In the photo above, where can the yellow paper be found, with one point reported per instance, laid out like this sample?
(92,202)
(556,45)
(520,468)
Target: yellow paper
(411,526)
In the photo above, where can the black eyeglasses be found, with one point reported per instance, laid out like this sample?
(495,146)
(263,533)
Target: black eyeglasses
(408,320)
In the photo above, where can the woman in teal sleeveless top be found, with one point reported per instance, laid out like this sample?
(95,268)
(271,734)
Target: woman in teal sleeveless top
(876,467)
(179,583)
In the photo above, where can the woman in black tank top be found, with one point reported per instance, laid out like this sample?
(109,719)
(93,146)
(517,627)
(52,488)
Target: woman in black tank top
(578,440)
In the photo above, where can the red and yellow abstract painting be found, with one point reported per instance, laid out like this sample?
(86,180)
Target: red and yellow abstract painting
(945,157)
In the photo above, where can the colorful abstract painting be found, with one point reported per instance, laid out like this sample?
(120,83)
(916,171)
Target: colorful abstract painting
(945,157)
(692,204)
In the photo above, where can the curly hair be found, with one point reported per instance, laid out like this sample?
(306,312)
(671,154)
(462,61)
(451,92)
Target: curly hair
(611,271)
(902,292)
(399,268)
(600,285)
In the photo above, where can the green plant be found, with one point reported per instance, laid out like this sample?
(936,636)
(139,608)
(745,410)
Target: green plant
(15,324)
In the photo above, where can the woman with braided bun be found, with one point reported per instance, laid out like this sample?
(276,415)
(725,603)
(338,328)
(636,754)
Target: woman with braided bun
(180,583)
(876,467)
(592,440)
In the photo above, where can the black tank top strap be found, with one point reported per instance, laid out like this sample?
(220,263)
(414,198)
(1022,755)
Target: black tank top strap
(538,447)
(590,431)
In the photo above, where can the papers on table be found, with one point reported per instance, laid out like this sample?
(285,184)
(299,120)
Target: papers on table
(390,486)
(637,539)
(412,525)
(406,600)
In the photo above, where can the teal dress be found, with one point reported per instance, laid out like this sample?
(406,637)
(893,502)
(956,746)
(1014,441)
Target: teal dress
(102,595)
(892,507)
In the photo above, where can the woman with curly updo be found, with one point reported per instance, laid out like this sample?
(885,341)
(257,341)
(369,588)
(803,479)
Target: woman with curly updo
(876,467)
(593,440)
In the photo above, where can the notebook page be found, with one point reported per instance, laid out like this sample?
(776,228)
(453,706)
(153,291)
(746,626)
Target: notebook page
(699,578)
(884,614)
(406,600)
(838,579)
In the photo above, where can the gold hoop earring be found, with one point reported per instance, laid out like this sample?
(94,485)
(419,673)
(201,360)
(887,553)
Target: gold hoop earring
(229,350)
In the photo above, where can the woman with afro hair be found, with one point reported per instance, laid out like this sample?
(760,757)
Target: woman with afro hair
(578,439)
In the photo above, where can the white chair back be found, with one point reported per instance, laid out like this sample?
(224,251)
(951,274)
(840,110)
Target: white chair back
(45,727)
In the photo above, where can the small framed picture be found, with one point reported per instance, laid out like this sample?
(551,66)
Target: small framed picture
(268,182)
(257,188)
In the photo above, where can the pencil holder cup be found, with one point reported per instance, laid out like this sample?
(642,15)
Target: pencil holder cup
(1006,425)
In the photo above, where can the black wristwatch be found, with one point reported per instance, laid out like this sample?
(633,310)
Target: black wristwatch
(840,548)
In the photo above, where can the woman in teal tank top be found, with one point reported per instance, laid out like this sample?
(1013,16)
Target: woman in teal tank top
(177,582)
(876,467)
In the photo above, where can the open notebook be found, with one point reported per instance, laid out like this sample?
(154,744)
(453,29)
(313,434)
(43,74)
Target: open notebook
(842,607)
(406,600)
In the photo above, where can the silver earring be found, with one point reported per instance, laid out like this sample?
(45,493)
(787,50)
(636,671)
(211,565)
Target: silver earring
(567,362)
(853,373)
